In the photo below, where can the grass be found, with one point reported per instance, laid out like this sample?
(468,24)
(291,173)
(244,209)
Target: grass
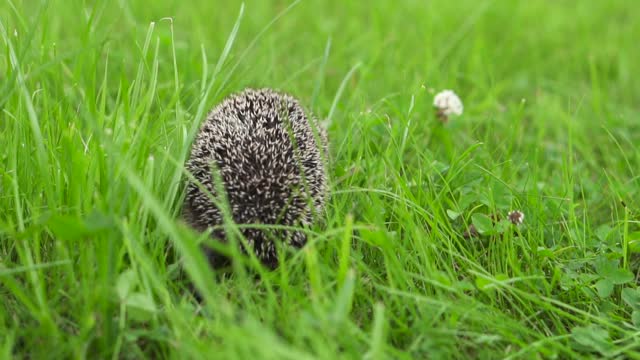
(99,102)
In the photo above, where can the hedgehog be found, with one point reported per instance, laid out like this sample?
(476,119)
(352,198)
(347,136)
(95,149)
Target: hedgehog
(269,154)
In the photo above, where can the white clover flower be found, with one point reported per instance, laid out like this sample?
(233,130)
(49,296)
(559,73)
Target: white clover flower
(516,217)
(447,103)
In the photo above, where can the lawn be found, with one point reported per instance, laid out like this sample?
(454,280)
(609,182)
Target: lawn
(415,258)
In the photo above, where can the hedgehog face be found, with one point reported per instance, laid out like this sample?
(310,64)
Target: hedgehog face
(262,145)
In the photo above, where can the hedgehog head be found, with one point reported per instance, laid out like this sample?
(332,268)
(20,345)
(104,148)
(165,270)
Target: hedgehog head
(268,154)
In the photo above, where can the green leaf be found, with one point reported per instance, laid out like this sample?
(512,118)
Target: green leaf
(482,223)
(593,338)
(441,278)
(620,276)
(635,318)
(140,306)
(344,298)
(634,242)
(544,252)
(487,284)
(127,282)
(96,222)
(634,246)
(439,166)
(452,214)
(587,278)
(503,226)
(605,288)
(483,284)
(65,227)
(141,301)
(632,298)
(501,195)
(487,339)
(70,227)
(464,286)
(604,266)
(466,200)
(602,232)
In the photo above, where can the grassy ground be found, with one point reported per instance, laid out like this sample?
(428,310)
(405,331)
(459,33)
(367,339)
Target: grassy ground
(99,101)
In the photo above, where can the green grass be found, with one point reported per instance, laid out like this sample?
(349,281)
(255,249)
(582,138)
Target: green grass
(99,101)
